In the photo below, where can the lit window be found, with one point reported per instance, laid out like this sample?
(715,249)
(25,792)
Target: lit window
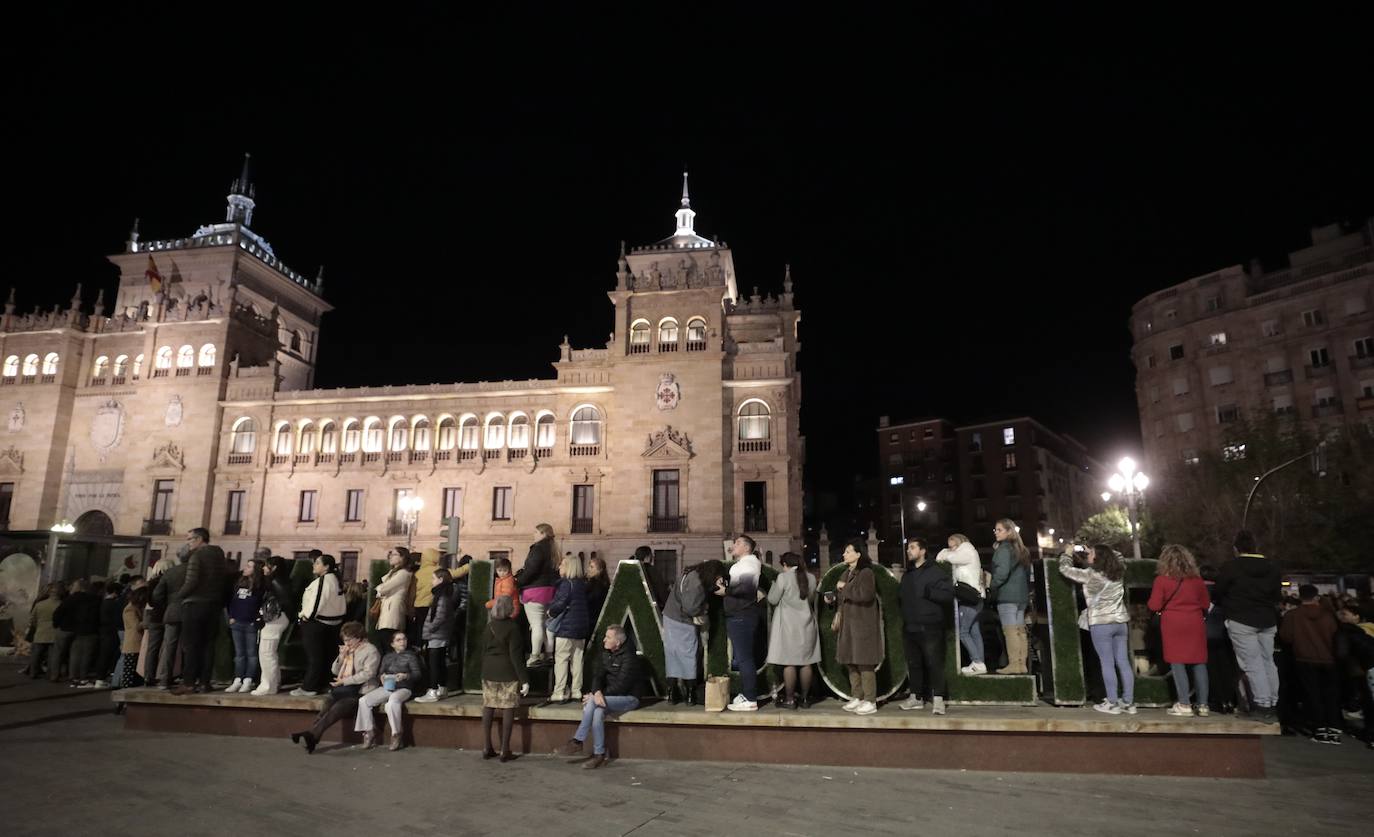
(520,432)
(448,433)
(244,436)
(1008,435)
(754,421)
(1233,452)
(468,436)
(544,431)
(586,426)
(496,432)
(50,363)
(696,330)
(307,440)
(163,359)
(1218,338)
(373,437)
(421,434)
(138,366)
(102,367)
(121,365)
(207,355)
(667,331)
(352,436)
(186,357)
(11,366)
(329,438)
(400,434)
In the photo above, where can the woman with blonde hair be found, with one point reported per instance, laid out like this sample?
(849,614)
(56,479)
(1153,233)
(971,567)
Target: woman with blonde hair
(571,626)
(1180,598)
(1010,588)
(962,556)
(538,579)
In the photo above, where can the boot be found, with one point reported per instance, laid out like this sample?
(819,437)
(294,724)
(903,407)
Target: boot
(689,692)
(1015,636)
(672,692)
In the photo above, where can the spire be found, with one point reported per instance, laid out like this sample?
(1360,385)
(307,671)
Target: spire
(100,302)
(787,278)
(133,237)
(76,298)
(241,195)
(319,281)
(622,273)
(685,215)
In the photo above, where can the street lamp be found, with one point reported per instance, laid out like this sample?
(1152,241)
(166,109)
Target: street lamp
(63,528)
(1131,483)
(410,507)
(920,507)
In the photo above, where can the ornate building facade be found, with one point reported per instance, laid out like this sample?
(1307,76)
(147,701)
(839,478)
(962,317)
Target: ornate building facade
(191,403)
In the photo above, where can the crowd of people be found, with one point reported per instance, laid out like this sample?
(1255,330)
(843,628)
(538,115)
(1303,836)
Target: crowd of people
(1232,641)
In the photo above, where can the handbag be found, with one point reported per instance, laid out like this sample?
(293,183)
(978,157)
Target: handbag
(375,612)
(1083,624)
(346,692)
(1155,617)
(967,594)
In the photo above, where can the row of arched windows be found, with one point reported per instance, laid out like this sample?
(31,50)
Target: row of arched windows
(120,369)
(30,365)
(669,332)
(186,357)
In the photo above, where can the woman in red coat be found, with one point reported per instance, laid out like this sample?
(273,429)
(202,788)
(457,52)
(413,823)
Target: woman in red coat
(1180,597)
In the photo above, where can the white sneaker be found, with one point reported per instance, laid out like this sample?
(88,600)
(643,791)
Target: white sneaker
(302,693)
(427,697)
(852,705)
(441,693)
(101,684)
(1181,710)
(974,668)
(246,687)
(234,687)
(1108,707)
(939,706)
(738,699)
(744,706)
(866,708)
(912,702)
(261,691)
(1128,708)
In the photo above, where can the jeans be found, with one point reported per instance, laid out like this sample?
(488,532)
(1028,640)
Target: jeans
(198,637)
(1180,672)
(594,719)
(541,641)
(167,661)
(83,656)
(245,636)
(1011,614)
(741,628)
(567,659)
(969,632)
(375,698)
(925,660)
(269,640)
(1109,641)
(61,649)
(1255,655)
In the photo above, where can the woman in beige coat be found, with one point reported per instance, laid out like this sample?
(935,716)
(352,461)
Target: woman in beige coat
(394,593)
(858,635)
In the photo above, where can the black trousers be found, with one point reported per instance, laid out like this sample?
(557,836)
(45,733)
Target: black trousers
(108,655)
(1321,694)
(197,641)
(925,659)
(335,710)
(321,647)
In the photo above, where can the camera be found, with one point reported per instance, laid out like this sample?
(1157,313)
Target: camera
(1080,549)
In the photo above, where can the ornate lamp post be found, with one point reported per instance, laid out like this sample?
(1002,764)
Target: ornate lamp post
(1131,483)
(410,507)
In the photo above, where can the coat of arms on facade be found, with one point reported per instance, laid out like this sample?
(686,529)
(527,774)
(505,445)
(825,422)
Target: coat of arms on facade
(17,418)
(669,392)
(107,428)
(173,415)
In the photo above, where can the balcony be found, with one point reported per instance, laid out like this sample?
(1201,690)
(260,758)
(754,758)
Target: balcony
(100,382)
(543,453)
(584,450)
(1274,379)
(157,527)
(280,458)
(395,456)
(233,527)
(467,454)
(324,459)
(667,347)
(419,456)
(203,371)
(395,527)
(301,459)
(639,348)
(347,458)
(28,379)
(240,459)
(160,373)
(667,524)
(372,458)
(696,345)
(491,455)
(582,526)
(1366,362)
(183,371)
(514,454)
(117,380)
(755,445)
(1318,372)
(443,456)
(49,379)
(1330,408)
(756,521)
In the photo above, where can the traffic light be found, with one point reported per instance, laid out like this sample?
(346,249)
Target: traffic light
(450,535)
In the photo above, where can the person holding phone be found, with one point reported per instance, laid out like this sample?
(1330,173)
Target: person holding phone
(1105,619)
(742,613)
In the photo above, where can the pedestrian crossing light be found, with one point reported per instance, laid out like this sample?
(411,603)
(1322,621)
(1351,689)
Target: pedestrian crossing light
(450,535)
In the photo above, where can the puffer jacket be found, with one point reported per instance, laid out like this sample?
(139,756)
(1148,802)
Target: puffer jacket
(570,600)
(1249,587)
(424,576)
(207,574)
(405,662)
(442,612)
(394,591)
(968,567)
(1106,599)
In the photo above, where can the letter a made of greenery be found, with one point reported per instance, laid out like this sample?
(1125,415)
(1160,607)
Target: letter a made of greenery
(717,639)
(479,593)
(629,601)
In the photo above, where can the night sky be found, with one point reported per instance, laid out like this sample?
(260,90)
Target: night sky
(969,207)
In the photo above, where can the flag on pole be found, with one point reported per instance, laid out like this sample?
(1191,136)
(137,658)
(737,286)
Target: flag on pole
(154,278)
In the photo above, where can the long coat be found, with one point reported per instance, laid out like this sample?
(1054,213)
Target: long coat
(1182,624)
(394,591)
(860,640)
(792,636)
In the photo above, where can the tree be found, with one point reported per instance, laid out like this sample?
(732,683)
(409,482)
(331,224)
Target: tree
(1113,528)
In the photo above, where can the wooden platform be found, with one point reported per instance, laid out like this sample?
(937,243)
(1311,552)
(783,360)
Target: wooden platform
(1036,739)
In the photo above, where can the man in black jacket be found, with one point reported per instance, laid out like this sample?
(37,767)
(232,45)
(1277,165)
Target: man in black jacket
(926,594)
(1248,588)
(167,597)
(202,601)
(615,689)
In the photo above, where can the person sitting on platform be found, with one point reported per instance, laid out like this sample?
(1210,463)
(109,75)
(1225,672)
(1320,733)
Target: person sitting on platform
(504,677)
(926,594)
(400,674)
(615,689)
(355,673)
(794,643)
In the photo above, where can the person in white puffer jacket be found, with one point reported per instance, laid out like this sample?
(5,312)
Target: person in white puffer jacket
(963,557)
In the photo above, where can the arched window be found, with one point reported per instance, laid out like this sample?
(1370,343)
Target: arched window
(495,436)
(667,331)
(163,359)
(421,434)
(307,442)
(754,421)
(329,438)
(50,363)
(448,433)
(372,436)
(352,436)
(520,432)
(138,366)
(11,366)
(207,355)
(186,357)
(639,337)
(31,365)
(296,342)
(586,426)
(696,330)
(400,434)
(544,431)
(245,436)
(283,446)
(102,367)
(468,434)
(121,366)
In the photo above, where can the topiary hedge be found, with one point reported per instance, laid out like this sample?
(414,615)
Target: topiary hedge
(479,593)
(629,600)
(981,688)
